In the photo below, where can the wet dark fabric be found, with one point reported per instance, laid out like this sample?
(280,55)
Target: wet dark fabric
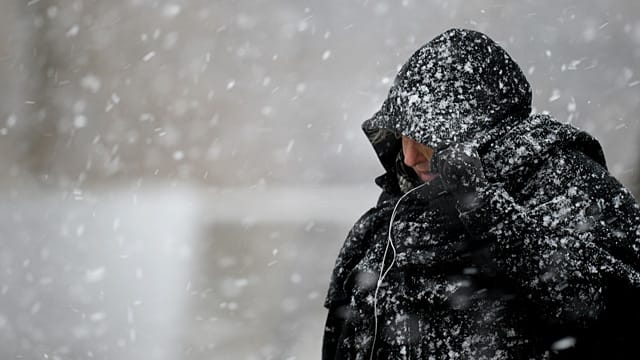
(547,266)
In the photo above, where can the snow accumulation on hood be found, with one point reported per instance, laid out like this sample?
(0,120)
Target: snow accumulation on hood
(463,87)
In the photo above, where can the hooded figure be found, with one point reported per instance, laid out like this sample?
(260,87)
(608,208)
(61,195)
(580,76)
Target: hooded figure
(522,247)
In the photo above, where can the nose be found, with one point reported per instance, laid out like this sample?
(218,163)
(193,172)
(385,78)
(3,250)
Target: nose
(412,156)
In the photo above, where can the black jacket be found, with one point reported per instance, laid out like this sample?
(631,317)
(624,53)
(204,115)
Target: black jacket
(546,267)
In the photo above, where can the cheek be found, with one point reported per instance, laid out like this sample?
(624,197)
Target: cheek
(426,154)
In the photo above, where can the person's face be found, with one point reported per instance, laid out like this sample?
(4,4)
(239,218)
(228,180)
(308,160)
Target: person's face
(418,157)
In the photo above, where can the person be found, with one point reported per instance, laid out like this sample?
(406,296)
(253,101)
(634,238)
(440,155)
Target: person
(498,234)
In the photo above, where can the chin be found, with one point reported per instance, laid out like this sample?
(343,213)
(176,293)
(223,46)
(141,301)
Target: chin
(428,177)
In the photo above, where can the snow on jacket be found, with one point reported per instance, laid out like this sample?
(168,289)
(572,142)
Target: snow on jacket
(546,267)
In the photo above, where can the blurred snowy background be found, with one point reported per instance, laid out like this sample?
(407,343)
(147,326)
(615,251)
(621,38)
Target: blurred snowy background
(178,176)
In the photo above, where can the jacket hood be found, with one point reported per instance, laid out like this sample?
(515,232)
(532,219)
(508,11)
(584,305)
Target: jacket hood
(460,87)
(456,84)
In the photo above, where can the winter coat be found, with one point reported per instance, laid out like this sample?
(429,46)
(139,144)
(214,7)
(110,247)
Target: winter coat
(547,266)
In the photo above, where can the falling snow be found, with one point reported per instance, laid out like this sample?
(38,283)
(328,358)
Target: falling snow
(178,176)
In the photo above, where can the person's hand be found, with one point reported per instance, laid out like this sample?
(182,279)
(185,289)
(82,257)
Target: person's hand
(460,169)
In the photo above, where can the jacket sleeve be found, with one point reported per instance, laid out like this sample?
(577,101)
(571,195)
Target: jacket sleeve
(577,233)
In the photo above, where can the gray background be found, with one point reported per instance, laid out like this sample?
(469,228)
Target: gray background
(178,176)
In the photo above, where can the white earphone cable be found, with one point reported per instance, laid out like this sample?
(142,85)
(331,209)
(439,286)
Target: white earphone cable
(383,272)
